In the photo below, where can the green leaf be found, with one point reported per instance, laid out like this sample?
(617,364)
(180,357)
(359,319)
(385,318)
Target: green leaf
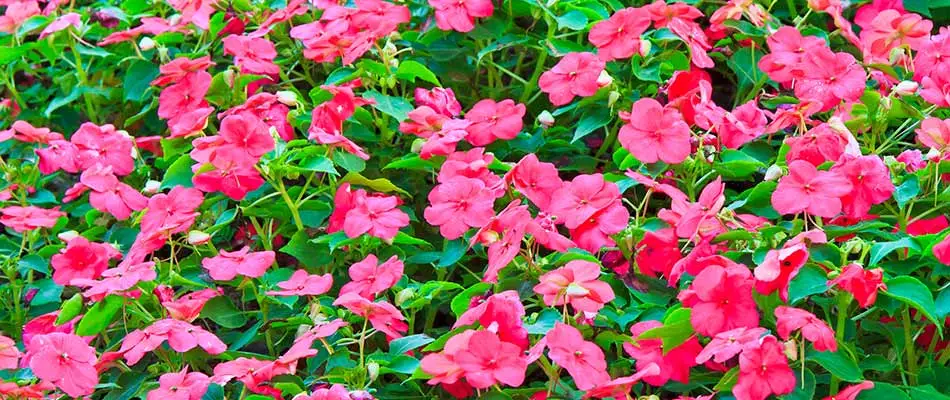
(907,191)
(179,173)
(883,391)
(735,164)
(301,248)
(379,184)
(100,315)
(60,101)
(810,280)
(411,162)
(802,391)
(943,304)
(573,20)
(675,331)
(317,164)
(70,309)
(838,364)
(33,262)
(452,251)
(881,250)
(595,119)
(349,162)
(728,380)
(409,70)
(138,79)
(396,107)
(460,301)
(47,292)
(223,312)
(926,392)
(407,343)
(912,292)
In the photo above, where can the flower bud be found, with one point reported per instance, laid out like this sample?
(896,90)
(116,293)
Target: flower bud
(67,236)
(287,97)
(612,98)
(417,145)
(404,295)
(906,88)
(546,119)
(604,79)
(773,173)
(152,187)
(228,75)
(197,238)
(790,349)
(146,44)
(372,369)
(933,155)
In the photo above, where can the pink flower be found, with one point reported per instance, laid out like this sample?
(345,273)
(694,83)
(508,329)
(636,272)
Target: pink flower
(107,193)
(459,15)
(459,204)
(657,252)
(492,121)
(16,14)
(383,316)
(443,141)
(269,109)
(935,88)
(728,344)
(59,155)
(82,259)
(182,385)
(179,68)
(369,278)
(190,123)
(574,75)
(935,133)
(577,201)
(376,216)
(500,313)
(807,189)
(230,176)
(538,181)
(65,360)
(243,135)
(254,55)
(9,353)
(187,307)
(576,283)
(851,392)
(228,264)
(442,366)
(721,299)
(817,145)
(620,387)
(471,164)
(870,183)
(788,46)
(185,95)
(488,361)
(594,233)
(117,280)
(334,392)
(29,218)
(891,29)
(618,37)
(502,235)
(103,145)
(654,133)
(862,283)
(197,12)
(183,336)
(818,332)
(743,125)
(63,22)
(441,100)
(779,268)
(673,363)
(582,359)
(303,284)
(763,371)
(830,77)
(174,212)
(701,217)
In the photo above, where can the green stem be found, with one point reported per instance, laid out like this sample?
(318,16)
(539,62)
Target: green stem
(909,347)
(290,204)
(844,300)
(84,82)
(539,64)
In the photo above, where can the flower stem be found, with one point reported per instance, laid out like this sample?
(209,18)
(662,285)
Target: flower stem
(909,347)
(844,300)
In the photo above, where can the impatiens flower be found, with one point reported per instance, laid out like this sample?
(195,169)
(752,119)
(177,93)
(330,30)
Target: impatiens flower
(536,180)
(16,14)
(851,392)
(247,135)
(326,126)
(788,48)
(383,316)
(657,252)
(117,280)
(82,259)
(779,268)
(269,109)
(577,201)
(700,217)
(935,88)
(728,344)
(303,284)
(63,22)
(174,212)
(935,133)
(500,313)
(544,230)
(253,54)
(673,363)
(9,353)
(441,100)
(654,133)
(862,283)
(253,373)
(471,164)
(582,359)
(443,367)
(187,307)
(376,216)
(830,77)
(743,125)
(443,141)
(618,37)
(489,361)
(228,264)
(65,360)
(576,283)
(574,75)
(870,183)
(764,371)
(184,95)
(197,12)
(818,332)
(182,385)
(807,189)
(459,204)
(29,218)
(107,194)
(492,121)
(817,145)
(369,277)
(503,235)
(721,299)
(103,145)
(595,232)
(620,387)
(459,15)
(231,175)
(183,336)
(334,392)
(891,29)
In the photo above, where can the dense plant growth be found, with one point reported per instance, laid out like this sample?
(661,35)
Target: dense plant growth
(508,199)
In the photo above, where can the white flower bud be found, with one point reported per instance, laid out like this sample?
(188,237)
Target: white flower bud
(196,238)
(146,44)
(152,187)
(287,97)
(68,235)
(604,79)
(906,88)
(612,98)
(546,119)
(773,173)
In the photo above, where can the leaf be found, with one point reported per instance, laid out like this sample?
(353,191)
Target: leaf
(675,331)
(396,107)
(460,301)
(736,164)
(926,392)
(179,173)
(943,304)
(411,162)
(138,79)
(838,364)
(60,101)
(33,262)
(349,162)
(907,191)
(100,315)
(301,248)
(452,251)
(544,323)
(597,118)
(223,312)
(409,70)
(47,292)
(912,292)
(70,309)
(573,20)
(803,391)
(881,250)
(745,63)
(728,380)
(317,164)
(407,343)
(810,280)
(883,391)
(379,184)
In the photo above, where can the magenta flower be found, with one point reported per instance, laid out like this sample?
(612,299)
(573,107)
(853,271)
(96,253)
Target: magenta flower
(493,121)
(806,189)
(229,264)
(64,360)
(369,277)
(574,75)
(303,284)
(655,133)
(376,216)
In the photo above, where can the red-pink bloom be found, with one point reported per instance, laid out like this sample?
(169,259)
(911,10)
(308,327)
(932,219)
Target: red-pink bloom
(721,299)
(185,95)
(806,189)
(817,145)
(65,360)
(254,55)
(369,277)
(657,251)
(302,283)
(182,385)
(59,155)
(538,181)
(423,122)
(891,29)
(188,307)
(503,235)
(576,283)
(459,204)
(231,175)
(379,16)
(197,12)
(851,392)
(183,336)
(500,313)
(743,125)
(544,230)
(25,132)
(174,212)
(618,37)
(268,108)
(459,15)
(441,100)
(620,387)
(247,134)
(830,77)
(63,22)
(251,372)
(655,133)
(862,283)
(29,218)
(44,324)
(818,332)
(582,359)
(779,268)
(471,164)
(442,366)
(701,217)
(487,361)
(118,280)
(868,11)
(303,345)
(334,392)
(870,183)
(763,371)
(577,201)
(82,259)
(935,133)
(935,88)
(574,75)
(16,14)
(229,264)
(9,353)
(324,42)
(107,194)
(492,121)
(595,232)
(326,125)
(728,344)
(377,216)
(788,46)
(383,316)
(673,363)
(103,145)
(179,68)
(443,141)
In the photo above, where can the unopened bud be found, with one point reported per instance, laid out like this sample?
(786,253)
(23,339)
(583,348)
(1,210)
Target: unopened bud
(604,79)
(229,77)
(196,238)
(152,187)
(790,349)
(372,369)
(404,295)
(287,97)
(645,47)
(612,98)
(933,155)
(67,236)
(906,88)
(146,44)
(546,119)
(773,173)
(417,145)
